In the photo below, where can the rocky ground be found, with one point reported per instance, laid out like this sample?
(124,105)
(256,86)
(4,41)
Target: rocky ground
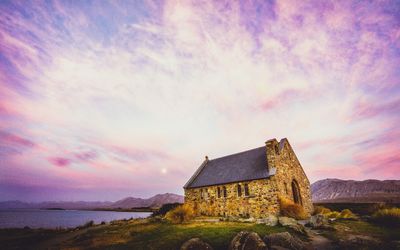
(210,233)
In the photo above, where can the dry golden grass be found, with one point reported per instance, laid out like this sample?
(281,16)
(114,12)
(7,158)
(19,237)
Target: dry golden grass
(321,210)
(344,214)
(180,214)
(387,216)
(291,209)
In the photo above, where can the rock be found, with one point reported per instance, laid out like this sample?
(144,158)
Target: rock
(270,220)
(247,241)
(359,242)
(292,224)
(317,221)
(298,228)
(196,244)
(284,240)
(251,220)
(286,221)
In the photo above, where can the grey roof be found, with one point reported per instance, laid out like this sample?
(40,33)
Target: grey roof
(244,166)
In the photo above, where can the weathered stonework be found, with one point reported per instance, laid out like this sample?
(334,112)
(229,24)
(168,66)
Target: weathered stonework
(262,199)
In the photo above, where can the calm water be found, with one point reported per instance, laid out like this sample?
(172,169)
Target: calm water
(60,218)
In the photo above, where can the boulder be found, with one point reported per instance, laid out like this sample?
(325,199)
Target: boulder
(317,221)
(292,224)
(286,221)
(284,240)
(247,241)
(196,244)
(270,220)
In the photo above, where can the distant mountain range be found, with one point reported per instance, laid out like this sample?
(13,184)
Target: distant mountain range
(335,190)
(127,203)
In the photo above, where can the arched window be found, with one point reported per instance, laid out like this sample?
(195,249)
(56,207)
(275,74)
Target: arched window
(239,190)
(224,190)
(296,192)
(246,190)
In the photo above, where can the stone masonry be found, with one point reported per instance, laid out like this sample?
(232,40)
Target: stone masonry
(255,198)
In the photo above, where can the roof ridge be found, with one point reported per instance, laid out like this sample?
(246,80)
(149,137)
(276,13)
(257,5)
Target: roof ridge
(236,153)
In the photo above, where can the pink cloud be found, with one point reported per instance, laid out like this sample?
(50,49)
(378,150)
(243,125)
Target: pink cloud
(60,161)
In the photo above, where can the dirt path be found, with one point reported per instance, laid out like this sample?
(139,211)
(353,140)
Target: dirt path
(318,241)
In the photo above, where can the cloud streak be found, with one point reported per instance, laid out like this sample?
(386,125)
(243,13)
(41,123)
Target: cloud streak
(119,95)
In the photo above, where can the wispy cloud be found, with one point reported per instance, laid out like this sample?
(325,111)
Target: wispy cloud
(121,94)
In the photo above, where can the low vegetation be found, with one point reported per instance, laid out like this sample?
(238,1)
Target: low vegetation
(291,209)
(387,216)
(180,214)
(344,214)
(164,209)
(133,234)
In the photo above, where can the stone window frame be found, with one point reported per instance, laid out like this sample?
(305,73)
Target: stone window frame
(246,190)
(239,190)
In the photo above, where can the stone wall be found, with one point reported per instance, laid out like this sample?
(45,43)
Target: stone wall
(262,200)
(289,169)
(263,193)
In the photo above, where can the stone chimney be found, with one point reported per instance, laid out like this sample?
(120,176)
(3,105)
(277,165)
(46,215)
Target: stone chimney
(272,147)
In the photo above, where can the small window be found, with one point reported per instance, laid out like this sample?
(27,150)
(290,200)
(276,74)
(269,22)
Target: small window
(224,190)
(246,190)
(239,190)
(201,194)
(219,192)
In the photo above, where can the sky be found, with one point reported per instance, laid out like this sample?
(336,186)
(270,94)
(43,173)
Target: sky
(100,100)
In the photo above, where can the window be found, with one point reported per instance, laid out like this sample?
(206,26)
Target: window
(219,192)
(246,190)
(239,190)
(286,190)
(224,190)
(201,194)
(206,193)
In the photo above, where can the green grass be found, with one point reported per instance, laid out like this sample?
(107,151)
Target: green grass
(142,234)
(130,234)
(25,238)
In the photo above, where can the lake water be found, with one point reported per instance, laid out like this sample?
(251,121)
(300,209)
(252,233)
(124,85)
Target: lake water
(35,218)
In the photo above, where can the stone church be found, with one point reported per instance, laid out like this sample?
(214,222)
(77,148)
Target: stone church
(249,183)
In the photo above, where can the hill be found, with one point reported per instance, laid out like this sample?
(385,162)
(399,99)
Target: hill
(336,190)
(127,203)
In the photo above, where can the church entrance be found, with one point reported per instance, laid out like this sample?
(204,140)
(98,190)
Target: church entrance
(296,192)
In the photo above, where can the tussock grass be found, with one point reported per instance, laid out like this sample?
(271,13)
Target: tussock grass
(387,216)
(291,209)
(344,214)
(180,214)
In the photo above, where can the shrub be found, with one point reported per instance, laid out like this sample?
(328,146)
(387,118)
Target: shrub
(88,224)
(347,214)
(321,210)
(333,215)
(164,209)
(291,209)
(387,216)
(180,214)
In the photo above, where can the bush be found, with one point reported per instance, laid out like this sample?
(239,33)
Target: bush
(347,214)
(180,214)
(321,210)
(387,216)
(164,209)
(88,224)
(291,209)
